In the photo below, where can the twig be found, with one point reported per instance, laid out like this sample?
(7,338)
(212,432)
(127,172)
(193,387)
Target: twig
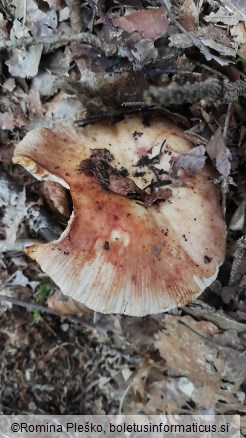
(179,94)
(212,341)
(227,120)
(84,37)
(7,281)
(33,306)
(200,310)
(238,256)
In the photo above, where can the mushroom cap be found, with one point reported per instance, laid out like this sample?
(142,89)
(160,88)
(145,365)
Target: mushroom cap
(117,255)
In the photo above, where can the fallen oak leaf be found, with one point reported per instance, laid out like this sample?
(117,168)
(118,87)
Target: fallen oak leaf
(150,24)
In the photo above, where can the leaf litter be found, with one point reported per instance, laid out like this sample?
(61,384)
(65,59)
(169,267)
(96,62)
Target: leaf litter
(191,360)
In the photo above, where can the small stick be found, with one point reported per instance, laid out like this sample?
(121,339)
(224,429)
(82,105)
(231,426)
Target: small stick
(33,306)
(227,120)
(238,257)
(84,37)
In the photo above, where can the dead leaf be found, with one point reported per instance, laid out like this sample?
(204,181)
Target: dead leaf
(180,40)
(239,33)
(45,84)
(12,204)
(189,15)
(124,186)
(7,121)
(6,153)
(61,107)
(238,219)
(25,62)
(218,151)
(145,51)
(19,30)
(3,28)
(220,48)
(65,305)
(242,51)
(9,84)
(38,22)
(56,196)
(105,93)
(55,4)
(191,161)
(148,24)
(179,346)
(223,15)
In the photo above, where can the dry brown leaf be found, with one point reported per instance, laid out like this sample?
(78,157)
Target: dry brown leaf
(218,151)
(56,197)
(189,15)
(150,23)
(65,305)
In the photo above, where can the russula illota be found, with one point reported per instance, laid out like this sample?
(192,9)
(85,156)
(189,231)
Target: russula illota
(127,249)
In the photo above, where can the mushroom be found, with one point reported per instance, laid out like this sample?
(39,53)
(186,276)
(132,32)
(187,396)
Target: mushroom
(138,241)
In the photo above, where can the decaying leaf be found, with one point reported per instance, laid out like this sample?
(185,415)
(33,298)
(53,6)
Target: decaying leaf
(149,24)
(238,219)
(223,15)
(185,345)
(3,28)
(25,62)
(239,33)
(12,204)
(56,197)
(38,22)
(103,93)
(189,15)
(65,305)
(7,121)
(218,152)
(191,161)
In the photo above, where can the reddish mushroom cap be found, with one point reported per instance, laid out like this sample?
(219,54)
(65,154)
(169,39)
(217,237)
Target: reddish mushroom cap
(118,255)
